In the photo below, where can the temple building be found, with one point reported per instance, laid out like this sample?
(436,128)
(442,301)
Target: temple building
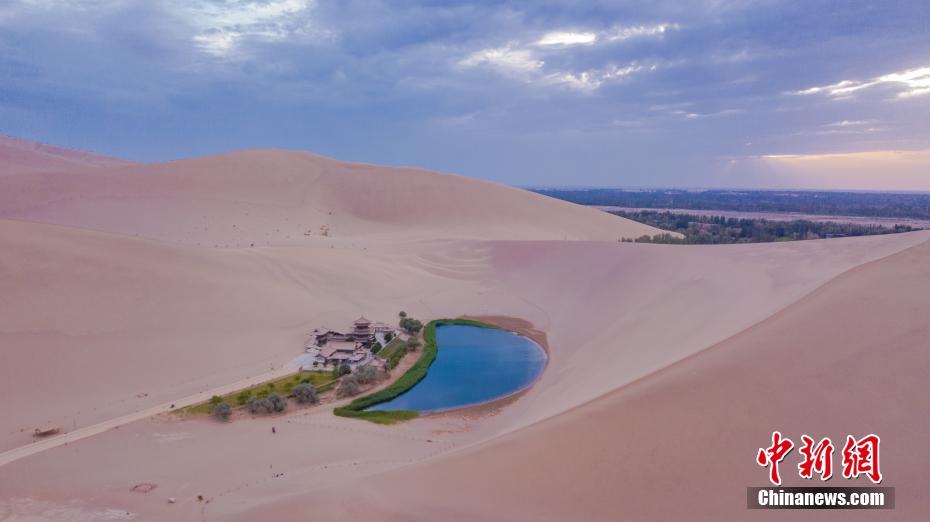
(361,329)
(333,348)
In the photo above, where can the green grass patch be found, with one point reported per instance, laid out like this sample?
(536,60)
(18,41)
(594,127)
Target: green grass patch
(408,380)
(323,381)
(395,350)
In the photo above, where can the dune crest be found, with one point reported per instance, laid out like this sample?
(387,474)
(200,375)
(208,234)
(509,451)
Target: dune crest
(273,197)
(20,157)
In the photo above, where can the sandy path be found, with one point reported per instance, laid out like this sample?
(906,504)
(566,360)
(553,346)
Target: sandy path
(88,431)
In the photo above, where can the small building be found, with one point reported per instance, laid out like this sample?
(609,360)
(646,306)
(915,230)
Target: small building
(382,328)
(337,353)
(324,335)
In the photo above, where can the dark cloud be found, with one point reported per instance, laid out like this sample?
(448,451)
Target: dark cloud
(606,92)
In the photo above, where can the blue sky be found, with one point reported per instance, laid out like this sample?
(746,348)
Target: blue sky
(617,93)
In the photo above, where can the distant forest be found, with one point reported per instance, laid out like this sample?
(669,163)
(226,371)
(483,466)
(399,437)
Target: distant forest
(721,230)
(809,202)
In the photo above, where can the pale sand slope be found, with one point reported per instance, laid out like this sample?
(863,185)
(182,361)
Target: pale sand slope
(147,322)
(20,156)
(99,318)
(271,197)
(97,325)
(851,358)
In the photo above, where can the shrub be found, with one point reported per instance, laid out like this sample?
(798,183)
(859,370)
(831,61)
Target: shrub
(376,347)
(254,404)
(216,399)
(344,370)
(222,411)
(277,402)
(243,397)
(272,403)
(413,343)
(348,387)
(366,375)
(388,336)
(305,393)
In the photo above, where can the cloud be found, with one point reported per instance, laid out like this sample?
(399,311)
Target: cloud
(507,59)
(567,38)
(912,82)
(593,79)
(625,33)
(526,65)
(221,27)
(850,123)
(717,114)
(152,79)
(527,60)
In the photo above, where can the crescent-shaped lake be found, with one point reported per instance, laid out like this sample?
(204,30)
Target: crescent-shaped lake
(473,365)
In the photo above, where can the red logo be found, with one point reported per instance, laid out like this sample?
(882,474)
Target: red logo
(817,459)
(774,454)
(860,457)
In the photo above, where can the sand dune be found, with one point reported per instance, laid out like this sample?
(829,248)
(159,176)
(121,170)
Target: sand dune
(21,156)
(270,197)
(849,359)
(125,298)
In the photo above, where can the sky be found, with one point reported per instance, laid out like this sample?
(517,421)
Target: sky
(701,93)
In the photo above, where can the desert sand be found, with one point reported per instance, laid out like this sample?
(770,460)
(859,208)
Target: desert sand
(128,287)
(20,156)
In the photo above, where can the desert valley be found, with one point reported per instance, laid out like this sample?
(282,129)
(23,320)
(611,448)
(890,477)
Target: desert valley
(127,288)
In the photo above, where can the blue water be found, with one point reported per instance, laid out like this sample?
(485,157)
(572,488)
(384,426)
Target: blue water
(473,365)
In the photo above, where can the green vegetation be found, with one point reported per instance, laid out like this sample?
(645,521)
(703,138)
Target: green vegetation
(243,396)
(322,381)
(273,403)
(393,353)
(411,325)
(868,204)
(408,380)
(721,230)
(222,411)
